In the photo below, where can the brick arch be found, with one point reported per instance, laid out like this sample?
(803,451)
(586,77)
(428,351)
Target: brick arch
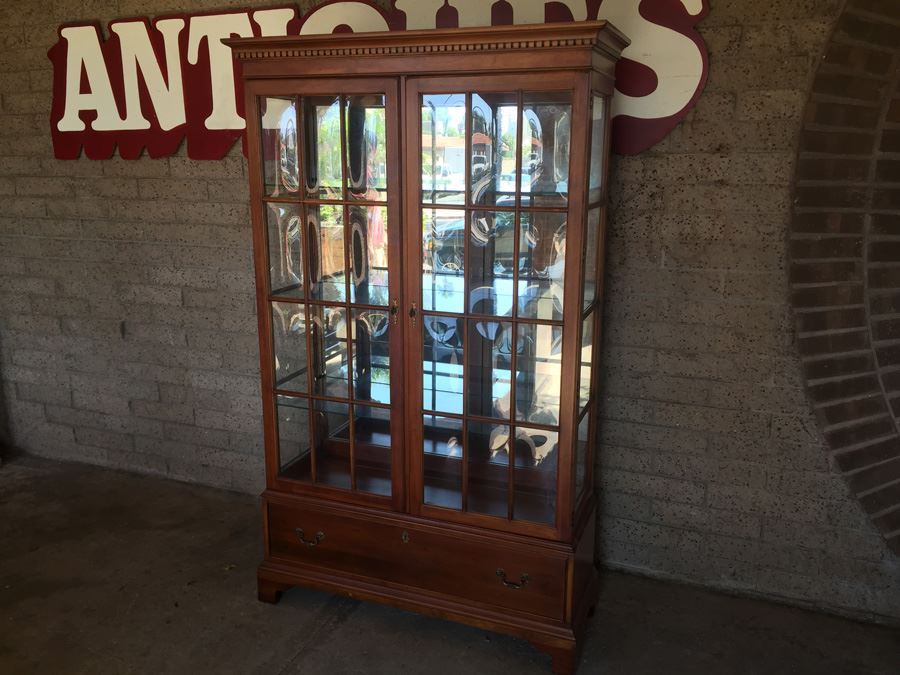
(845,255)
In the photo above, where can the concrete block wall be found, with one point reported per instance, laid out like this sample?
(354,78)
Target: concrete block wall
(713,468)
(127,328)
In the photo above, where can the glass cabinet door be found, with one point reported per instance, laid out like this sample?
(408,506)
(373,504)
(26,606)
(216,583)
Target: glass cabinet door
(491,212)
(329,212)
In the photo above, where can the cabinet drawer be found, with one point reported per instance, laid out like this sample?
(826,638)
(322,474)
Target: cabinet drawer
(454,564)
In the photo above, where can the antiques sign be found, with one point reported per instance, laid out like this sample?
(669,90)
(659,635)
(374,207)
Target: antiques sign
(152,84)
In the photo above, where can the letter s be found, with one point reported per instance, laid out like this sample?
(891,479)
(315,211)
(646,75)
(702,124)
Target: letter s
(676,60)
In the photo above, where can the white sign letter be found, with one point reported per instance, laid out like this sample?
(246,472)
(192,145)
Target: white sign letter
(675,59)
(215,27)
(360,17)
(138,54)
(83,46)
(273,21)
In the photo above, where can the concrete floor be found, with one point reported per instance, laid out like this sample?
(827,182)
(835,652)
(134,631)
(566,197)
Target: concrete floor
(106,572)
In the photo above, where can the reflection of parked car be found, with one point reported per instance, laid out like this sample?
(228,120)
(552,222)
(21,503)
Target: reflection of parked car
(448,241)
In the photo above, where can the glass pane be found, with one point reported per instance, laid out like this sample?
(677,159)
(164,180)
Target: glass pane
(293,438)
(546,130)
(598,150)
(542,262)
(289,342)
(491,262)
(538,373)
(443,149)
(489,346)
(535,475)
(591,257)
(587,357)
(493,122)
(325,235)
(332,434)
(443,264)
(285,233)
(368,255)
(442,367)
(322,146)
(581,455)
(329,351)
(371,356)
(488,469)
(281,167)
(443,450)
(372,449)
(366,148)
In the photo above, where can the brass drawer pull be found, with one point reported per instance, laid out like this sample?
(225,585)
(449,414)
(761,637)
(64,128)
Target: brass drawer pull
(313,542)
(523,580)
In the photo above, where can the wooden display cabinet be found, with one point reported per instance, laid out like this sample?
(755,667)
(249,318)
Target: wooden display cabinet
(429,344)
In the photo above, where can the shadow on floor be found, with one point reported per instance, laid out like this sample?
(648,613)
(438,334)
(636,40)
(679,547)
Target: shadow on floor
(106,572)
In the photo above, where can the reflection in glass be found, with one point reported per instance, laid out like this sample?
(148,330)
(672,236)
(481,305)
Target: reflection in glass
(546,132)
(443,263)
(372,449)
(329,351)
(581,455)
(489,346)
(325,237)
(368,255)
(591,257)
(443,148)
(488,477)
(332,437)
(538,373)
(371,356)
(587,357)
(443,453)
(281,168)
(491,262)
(598,152)
(285,235)
(322,146)
(536,457)
(442,367)
(493,122)
(293,438)
(366,151)
(289,346)
(542,262)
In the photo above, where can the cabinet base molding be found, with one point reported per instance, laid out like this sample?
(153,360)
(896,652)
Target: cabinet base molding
(538,591)
(562,644)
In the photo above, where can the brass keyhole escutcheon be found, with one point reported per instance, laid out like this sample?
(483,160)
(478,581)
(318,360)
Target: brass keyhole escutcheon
(404,537)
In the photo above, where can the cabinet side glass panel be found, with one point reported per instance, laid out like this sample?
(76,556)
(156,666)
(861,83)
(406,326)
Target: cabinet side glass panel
(284,225)
(581,456)
(598,149)
(592,260)
(289,334)
(279,146)
(294,450)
